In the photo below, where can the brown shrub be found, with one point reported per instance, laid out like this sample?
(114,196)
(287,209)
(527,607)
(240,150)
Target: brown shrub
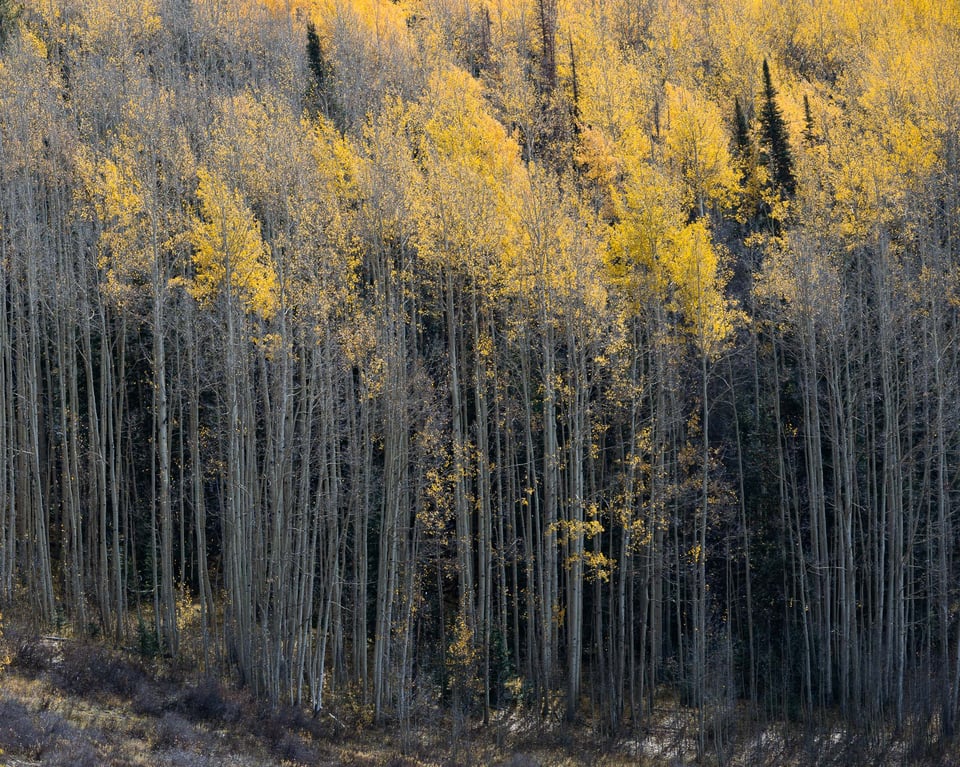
(19,730)
(207,702)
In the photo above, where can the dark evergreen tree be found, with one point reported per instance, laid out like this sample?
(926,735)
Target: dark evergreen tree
(548,53)
(752,211)
(774,140)
(320,67)
(575,106)
(808,134)
(478,56)
(9,11)
(315,54)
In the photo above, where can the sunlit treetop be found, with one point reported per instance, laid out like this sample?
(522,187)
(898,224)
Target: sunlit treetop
(383,21)
(115,29)
(229,253)
(696,145)
(118,201)
(466,205)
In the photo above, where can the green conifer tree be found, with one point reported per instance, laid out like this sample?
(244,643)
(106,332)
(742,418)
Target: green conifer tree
(322,73)
(741,130)
(9,12)
(808,135)
(774,140)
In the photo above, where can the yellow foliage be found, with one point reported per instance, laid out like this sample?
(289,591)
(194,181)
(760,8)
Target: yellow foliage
(35,42)
(336,162)
(596,155)
(653,256)
(514,686)
(254,138)
(640,534)
(114,27)
(648,211)
(695,271)
(696,145)
(119,204)
(600,168)
(567,529)
(228,249)
(383,23)
(460,128)
(132,239)
(803,279)
(461,661)
(387,19)
(598,566)
(615,97)
(465,205)
(677,35)
(829,32)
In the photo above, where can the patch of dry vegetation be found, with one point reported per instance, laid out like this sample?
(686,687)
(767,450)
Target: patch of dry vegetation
(73,702)
(70,702)
(67,701)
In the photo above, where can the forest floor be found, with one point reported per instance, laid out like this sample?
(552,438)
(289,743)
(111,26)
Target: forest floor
(70,702)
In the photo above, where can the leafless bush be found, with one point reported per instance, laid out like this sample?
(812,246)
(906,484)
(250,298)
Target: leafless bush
(32,656)
(88,670)
(292,748)
(173,731)
(282,728)
(206,701)
(521,760)
(179,757)
(358,760)
(19,732)
(400,761)
(149,699)
(73,753)
(44,735)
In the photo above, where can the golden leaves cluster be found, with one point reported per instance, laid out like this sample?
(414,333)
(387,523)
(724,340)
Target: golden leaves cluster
(230,255)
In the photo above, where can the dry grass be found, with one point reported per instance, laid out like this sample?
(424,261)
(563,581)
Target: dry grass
(47,717)
(75,703)
(79,705)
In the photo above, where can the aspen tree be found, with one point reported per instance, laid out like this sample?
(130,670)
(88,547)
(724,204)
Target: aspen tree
(133,251)
(233,271)
(697,146)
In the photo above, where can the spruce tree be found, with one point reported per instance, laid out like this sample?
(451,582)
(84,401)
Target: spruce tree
(774,140)
(575,106)
(744,151)
(741,130)
(9,12)
(321,70)
(315,55)
(808,135)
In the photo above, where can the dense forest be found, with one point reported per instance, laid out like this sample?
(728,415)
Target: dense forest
(563,354)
